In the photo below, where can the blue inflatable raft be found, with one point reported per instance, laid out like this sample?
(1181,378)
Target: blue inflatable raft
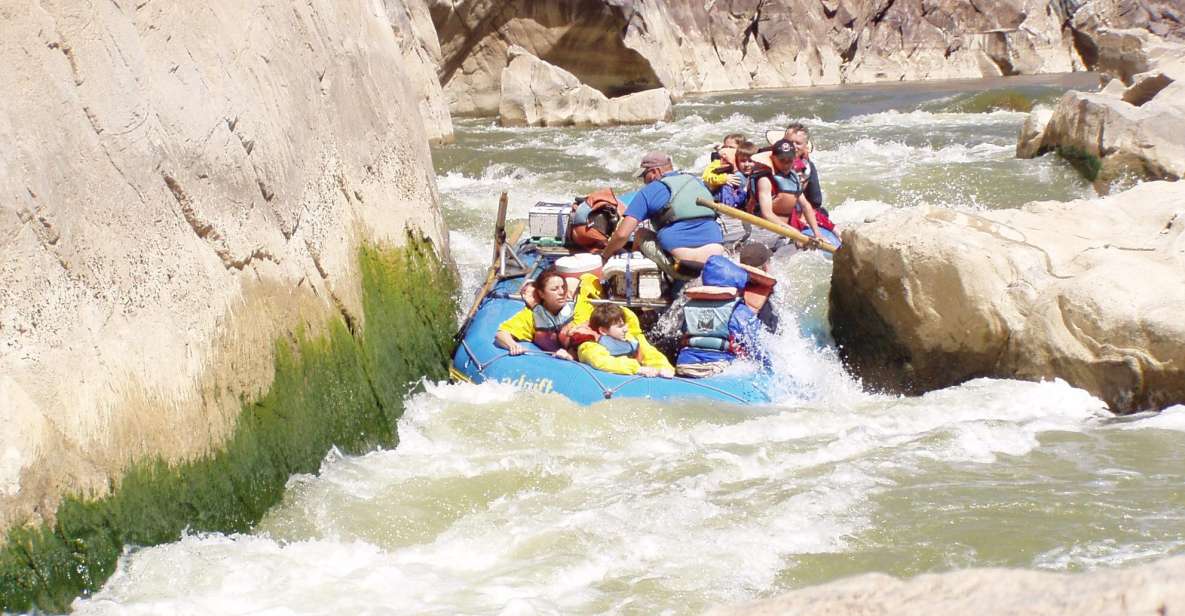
(477,360)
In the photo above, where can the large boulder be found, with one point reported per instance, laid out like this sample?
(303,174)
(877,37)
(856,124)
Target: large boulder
(583,37)
(624,46)
(1089,291)
(643,107)
(536,93)
(1148,590)
(184,184)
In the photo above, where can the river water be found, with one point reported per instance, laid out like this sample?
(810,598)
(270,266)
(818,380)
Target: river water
(505,502)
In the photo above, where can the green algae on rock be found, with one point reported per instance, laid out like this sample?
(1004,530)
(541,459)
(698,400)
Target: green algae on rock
(335,389)
(1083,161)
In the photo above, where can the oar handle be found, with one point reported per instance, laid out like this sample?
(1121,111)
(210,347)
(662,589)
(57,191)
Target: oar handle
(783,230)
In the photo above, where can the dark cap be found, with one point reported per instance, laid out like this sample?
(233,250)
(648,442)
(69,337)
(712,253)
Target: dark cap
(754,254)
(654,160)
(783,149)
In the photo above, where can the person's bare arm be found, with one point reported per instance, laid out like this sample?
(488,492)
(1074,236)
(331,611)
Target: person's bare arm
(620,236)
(506,341)
(808,211)
(765,200)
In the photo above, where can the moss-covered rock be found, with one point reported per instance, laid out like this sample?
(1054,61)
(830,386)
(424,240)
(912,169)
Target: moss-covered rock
(334,389)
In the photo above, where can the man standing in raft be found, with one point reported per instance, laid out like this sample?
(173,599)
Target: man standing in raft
(685,230)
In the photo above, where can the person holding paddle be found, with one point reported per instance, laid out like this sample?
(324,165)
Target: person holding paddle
(778,195)
(799,135)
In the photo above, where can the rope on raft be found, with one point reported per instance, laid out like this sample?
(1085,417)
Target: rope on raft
(607,392)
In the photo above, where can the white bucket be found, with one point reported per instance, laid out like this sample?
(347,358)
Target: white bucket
(572,267)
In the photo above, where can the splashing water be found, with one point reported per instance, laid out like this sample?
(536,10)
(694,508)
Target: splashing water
(499,501)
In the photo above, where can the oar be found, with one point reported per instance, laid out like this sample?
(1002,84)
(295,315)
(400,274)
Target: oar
(500,240)
(783,230)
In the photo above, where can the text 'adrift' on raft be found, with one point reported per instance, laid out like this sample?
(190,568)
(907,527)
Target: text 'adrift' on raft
(661,292)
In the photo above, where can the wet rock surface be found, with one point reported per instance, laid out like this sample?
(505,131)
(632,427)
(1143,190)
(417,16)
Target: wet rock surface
(1146,590)
(1088,291)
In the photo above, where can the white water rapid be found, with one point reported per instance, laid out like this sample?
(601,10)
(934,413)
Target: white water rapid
(504,502)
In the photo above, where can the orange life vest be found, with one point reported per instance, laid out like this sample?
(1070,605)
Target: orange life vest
(594,219)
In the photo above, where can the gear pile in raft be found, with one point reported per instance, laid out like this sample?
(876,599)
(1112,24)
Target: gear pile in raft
(653,294)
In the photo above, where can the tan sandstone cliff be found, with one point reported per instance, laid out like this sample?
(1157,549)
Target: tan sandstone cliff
(180,184)
(535,93)
(623,46)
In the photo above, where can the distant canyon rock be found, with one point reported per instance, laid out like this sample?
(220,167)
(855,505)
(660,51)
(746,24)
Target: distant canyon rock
(535,93)
(1089,291)
(623,46)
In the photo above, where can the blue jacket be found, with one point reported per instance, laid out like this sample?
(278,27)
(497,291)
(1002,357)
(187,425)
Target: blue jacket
(736,196)
(745,329)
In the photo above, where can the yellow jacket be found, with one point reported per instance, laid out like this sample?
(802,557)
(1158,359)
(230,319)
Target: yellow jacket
(597,356)
(590,289)
(521,326)
(714,177)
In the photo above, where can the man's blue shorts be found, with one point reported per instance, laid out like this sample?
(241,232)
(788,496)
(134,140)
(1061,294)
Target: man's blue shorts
(690,234)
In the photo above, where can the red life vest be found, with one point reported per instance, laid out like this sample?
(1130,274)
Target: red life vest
(798,221)
(780,184)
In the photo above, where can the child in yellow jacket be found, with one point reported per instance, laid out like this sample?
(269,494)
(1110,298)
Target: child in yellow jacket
(722,168)
(617,350)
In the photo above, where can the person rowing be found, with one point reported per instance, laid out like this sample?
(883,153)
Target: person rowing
(686,230)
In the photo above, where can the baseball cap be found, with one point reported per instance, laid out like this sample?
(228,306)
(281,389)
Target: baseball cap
(653,160)
(783,149)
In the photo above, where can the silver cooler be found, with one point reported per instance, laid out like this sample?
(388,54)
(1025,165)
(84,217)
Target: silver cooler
(549,219)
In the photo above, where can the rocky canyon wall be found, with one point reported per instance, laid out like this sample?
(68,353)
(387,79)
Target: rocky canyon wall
(624,46)
(196,199)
